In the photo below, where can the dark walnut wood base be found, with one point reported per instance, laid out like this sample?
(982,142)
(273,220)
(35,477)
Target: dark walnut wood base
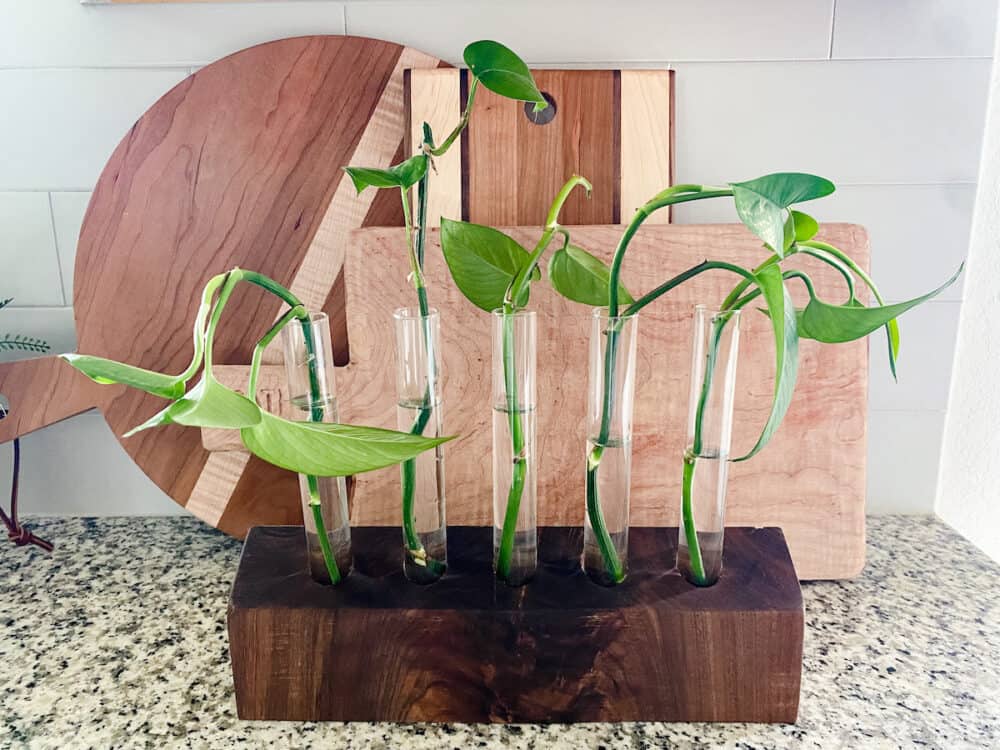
(561,649)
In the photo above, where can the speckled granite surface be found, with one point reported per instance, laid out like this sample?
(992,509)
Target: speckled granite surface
(119,640)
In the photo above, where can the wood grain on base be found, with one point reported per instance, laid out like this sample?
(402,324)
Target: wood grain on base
(560,649)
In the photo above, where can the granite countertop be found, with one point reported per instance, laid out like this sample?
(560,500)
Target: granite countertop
(118,639)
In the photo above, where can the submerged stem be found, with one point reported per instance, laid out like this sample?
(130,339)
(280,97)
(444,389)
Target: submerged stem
(514,294)
(316,410)
(415,241)
(693,453)
(668,197)
(520,461)
(687,521)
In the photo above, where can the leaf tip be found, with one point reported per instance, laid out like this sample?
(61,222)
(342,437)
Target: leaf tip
(359,185)
(135,430)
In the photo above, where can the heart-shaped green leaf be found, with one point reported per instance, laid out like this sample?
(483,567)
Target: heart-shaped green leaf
(579,276)
(322,449)
(501,71)
(835,324)
(762,203)
(483,261)
(109,372)
(403,175)
(208,404)
(786,350)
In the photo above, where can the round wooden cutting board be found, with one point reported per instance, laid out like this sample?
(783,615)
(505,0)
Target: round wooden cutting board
(238,165)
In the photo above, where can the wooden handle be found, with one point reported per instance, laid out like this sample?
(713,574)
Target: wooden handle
(44,391)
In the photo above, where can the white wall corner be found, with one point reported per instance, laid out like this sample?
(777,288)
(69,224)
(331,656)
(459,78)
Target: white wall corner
(968,490)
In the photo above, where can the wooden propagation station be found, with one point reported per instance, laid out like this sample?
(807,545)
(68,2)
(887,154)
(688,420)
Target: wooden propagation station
(560,649)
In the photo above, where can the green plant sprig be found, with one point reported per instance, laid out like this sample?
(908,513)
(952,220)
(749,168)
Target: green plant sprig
(500,70)
(515,298)
(15,342)
(311,448)
(764,206)
(495,272)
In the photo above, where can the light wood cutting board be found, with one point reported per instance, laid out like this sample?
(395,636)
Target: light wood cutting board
(810,480)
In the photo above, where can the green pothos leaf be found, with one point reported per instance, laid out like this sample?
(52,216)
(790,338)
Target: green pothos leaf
(500,70)
(207,404)
(483,261)
(762,203)
(323,449)
(834,324)
(805,226)
(579,276)
(403,175)
(109,372)
(781,311)
(892,339)
(799,227)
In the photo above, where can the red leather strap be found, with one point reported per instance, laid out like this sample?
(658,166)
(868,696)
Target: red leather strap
(19,534)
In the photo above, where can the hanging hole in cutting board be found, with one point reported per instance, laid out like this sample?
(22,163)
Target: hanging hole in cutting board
(544,117)
(4,406)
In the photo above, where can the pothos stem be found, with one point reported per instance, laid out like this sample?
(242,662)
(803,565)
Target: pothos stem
(317,409)
(415,241)
(428,145)
(511,305)
(670,196)
(694,452)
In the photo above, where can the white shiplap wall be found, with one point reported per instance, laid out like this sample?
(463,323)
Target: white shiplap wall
(886,99)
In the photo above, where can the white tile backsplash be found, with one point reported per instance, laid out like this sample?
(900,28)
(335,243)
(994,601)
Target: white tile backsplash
(919,233)
(903,450)
(29,266)
(60,126)
(69,34)
(52,324)
(68,210)
(854,122)
(914,28)
(76,467)
(896,122)
(594,30)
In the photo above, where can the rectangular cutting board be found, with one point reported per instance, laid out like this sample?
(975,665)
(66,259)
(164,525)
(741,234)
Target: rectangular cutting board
(614,127)
(810,480)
